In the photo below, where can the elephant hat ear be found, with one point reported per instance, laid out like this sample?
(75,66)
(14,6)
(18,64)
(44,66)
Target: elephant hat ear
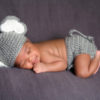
(13,24)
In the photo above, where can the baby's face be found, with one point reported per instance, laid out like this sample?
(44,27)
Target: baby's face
(28,56)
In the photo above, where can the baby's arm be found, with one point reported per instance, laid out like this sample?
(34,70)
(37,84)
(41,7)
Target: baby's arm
(49,67)
(59,64)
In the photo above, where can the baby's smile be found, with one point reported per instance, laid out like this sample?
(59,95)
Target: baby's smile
(35,60)
(28,56)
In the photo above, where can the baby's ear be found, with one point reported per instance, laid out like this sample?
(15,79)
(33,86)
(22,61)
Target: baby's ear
(13,24)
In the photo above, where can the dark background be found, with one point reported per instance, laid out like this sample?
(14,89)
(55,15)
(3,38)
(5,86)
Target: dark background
(50,19)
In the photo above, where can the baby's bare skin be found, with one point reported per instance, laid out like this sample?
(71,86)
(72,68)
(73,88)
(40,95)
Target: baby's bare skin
(51,56)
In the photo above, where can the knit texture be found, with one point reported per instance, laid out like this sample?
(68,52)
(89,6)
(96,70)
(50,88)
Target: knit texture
(79,44)
(10,46)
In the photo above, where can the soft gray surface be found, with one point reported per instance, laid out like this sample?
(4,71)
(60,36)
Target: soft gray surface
(50,19)
(19,84)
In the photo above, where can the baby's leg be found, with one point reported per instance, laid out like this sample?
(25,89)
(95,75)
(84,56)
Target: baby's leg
(85,66)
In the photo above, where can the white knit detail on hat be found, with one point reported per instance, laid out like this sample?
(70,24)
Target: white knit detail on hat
(13,24)
(12,38)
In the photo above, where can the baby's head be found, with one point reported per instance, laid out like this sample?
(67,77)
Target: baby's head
(16,49)
(28,56)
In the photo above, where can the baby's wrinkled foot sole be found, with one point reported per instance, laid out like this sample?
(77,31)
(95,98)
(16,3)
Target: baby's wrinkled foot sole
(98,54)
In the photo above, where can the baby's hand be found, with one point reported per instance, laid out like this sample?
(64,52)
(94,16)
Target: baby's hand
(39,67)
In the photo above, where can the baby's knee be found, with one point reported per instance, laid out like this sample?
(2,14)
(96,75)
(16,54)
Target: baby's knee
(82,74)
(81,65)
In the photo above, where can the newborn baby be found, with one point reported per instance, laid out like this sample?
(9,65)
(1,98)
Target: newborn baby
(76,51)
(43,57)
(52,56)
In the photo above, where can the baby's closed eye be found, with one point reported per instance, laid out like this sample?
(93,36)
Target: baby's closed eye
(27,50)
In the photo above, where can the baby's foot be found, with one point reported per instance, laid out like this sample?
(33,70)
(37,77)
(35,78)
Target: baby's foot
(98,54)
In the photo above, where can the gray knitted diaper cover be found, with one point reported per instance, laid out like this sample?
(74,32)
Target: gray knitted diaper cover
(78,44)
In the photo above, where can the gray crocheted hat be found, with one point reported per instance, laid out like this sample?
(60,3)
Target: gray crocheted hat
(12,38)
